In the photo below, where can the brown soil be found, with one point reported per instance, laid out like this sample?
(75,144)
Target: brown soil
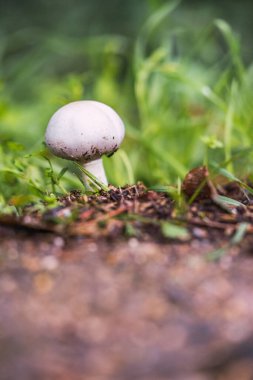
(111,305)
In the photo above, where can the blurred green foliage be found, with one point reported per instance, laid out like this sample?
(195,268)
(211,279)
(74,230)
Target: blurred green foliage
(175,73)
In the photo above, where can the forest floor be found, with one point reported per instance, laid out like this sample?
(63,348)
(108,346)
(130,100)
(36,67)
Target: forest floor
(122,286)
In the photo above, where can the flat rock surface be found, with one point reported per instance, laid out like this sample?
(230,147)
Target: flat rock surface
(105,309)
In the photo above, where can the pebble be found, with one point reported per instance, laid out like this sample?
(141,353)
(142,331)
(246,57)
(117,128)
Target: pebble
(133,243)
(49,263)
(59,242)
(43,283)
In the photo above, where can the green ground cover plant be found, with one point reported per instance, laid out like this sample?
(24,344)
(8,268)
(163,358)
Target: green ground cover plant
(184,94)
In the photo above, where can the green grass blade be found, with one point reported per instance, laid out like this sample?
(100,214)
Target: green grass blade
(94,179)
(148,28)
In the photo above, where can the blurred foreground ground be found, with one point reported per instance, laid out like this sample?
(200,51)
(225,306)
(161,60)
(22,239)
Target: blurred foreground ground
(100,310)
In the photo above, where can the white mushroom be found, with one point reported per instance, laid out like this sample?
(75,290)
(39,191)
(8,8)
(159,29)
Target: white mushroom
(83,131)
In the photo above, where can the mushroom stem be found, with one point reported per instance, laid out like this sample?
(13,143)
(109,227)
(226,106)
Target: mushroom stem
(96,168)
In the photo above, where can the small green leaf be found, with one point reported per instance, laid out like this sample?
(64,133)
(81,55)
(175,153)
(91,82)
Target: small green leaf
(159,188)
(240,233)
(216,254)
(232,177)
(212,142)
(229,201)
(228,175)
(174,231)
(130,230)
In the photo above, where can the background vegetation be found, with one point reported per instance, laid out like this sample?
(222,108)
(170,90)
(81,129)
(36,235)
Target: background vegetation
(178,74)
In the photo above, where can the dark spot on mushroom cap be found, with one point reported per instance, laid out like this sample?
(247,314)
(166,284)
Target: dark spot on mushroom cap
(111,153)
(91,155)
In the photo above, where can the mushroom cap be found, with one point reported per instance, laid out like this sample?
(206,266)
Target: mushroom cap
(84,131)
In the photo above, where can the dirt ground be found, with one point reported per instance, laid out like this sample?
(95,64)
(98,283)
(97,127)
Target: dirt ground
(96,309)
(98,301)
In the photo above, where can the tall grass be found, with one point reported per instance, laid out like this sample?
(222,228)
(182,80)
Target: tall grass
(184,95)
